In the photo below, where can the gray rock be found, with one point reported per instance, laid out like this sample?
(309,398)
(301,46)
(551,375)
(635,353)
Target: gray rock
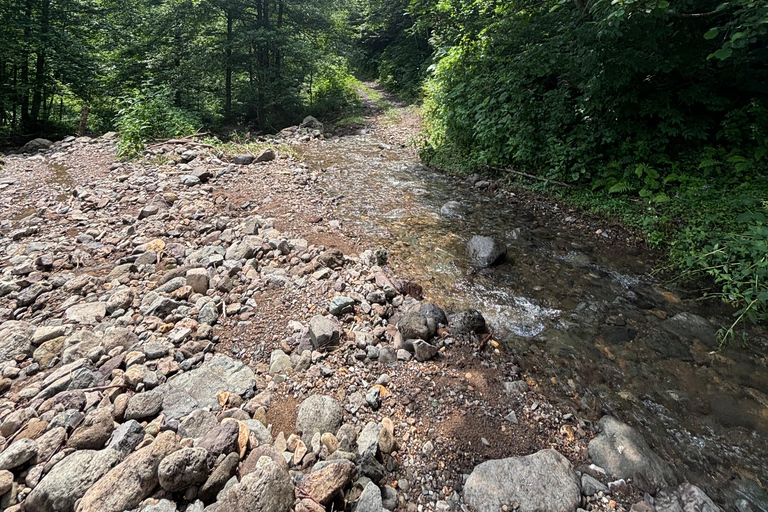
(266,156)
(219,477)
(69,480)
(369,437)
(689,326)
(94,431)
(318,413)
(200,387)
(208,314)
(485,251)
(122,298)
(189,180)
(243,159)
(623,453)
(279,362)
(240,251)
(144,405)
(119,337)
(182,469)
(29,294)
(89,313)
(414,325)
(433,314)
(197,424)
(686,498)
(126,437)
(452,210)
(370,499)
(160,506)
(15,339)
(268,488)
(543,481)
(131,481)
(340,304)
(516,387)
(424,351)
(323,332)
(197,278)
(19,452)
(36,145)
(311,123)
(591,486)
(467,321)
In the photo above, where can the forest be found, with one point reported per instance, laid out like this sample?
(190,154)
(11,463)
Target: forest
(652,111)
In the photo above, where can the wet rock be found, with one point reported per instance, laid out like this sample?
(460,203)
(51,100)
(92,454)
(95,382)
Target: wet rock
(323,332)
(323,485)
(690,326)
(182,469)
(686,498)
(544,480)
(623,453)
(467,321)
(318,413)
(267,489)
(485,251)
(452,210)
(133,480)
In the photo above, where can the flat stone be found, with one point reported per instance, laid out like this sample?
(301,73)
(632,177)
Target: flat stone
(90,313)
(543,481)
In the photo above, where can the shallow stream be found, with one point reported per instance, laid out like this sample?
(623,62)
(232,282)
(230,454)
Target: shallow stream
(587,320)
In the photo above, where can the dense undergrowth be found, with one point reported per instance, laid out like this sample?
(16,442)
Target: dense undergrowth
(655,112)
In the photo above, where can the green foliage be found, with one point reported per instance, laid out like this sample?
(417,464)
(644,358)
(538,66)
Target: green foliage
(151,114)
(660,107)
(334,91)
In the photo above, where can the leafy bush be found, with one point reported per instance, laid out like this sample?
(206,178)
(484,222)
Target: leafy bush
(150,114)
(661,106)
(334,90)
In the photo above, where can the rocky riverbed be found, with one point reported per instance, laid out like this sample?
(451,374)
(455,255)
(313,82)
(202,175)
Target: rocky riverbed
(200,331)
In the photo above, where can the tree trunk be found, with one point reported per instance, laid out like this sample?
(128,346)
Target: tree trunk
(25,67)
(228,85)
(38,96)
(81,130)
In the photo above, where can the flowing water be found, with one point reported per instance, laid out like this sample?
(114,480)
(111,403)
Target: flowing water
(587,321)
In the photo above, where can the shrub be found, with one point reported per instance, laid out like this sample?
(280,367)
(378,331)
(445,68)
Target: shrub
(148,115)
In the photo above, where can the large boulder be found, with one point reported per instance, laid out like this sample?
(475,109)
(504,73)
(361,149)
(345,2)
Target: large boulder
(15,339)
(323,332)
(322,485)
(318,413)
(485,251)
(467,321)
(199,388)
(132,481)
(36,145)
(183,468)
(69,480)
(542,482)
(414,325)
(623,453)
(268,488)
